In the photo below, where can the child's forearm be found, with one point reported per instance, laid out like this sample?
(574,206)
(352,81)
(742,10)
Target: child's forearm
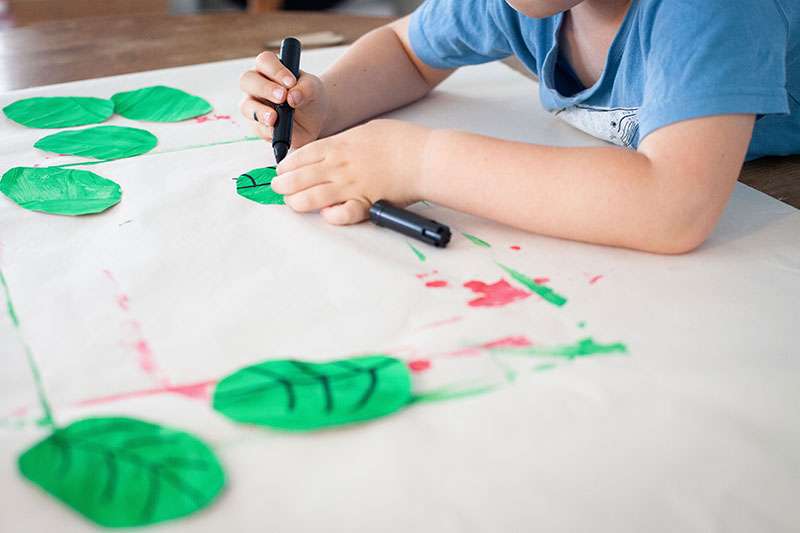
(605,195)
(378,73)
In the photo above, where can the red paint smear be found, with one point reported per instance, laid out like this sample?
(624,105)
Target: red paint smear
(206,118)
(420,365)
(595,279)
(145,356)
(437,284)
(516,248)
(509,342)
(197,391)
(541,280)
(515,341)
(496,295)
(443,322)
(423,276)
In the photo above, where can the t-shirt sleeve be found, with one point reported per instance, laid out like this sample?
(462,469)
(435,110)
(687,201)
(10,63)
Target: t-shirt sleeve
(707,58)
(447,34)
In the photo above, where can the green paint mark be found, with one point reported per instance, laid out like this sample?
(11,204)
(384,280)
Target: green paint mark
(455,392)
(126,222)
(296,395)
(420,255)
(59,111)
(476,240)
(581,324)
(37,379)
(100,142)
(59,191)
(545,292)
(581,348)
(159,104)
(11,311)
(542,368)
(256,186)
(121,472)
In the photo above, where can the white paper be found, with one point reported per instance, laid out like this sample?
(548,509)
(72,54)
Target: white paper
(696,428)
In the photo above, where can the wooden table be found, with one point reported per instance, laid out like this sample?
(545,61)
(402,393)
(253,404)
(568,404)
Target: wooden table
(104,46)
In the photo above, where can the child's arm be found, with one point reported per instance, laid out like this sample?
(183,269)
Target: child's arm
(666,197)
(378,73)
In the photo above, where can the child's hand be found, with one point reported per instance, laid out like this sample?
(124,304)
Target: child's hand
(271,83)
(343,175)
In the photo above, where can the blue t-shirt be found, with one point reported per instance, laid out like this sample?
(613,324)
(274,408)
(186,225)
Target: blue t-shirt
(671,60)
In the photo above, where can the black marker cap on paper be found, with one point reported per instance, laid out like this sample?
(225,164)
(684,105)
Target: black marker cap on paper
(384,214)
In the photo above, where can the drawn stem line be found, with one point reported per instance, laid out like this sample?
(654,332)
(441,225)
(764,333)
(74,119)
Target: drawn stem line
(169,151)
(37,379)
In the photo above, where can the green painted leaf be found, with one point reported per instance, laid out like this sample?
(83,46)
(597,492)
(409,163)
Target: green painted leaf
(59,190)
(59,111)
(122,472)
(159,104)
(297,395)
(255,185)
(101,142)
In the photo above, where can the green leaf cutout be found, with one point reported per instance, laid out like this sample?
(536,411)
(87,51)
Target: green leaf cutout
(100,142)
(121,472)
(159,104)
(297,395)
(59,190)
(255,185)
(59,111)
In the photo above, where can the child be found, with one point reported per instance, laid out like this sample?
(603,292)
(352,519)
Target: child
(687,89)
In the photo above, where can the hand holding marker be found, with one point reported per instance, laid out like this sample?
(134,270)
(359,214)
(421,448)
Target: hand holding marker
(382,213)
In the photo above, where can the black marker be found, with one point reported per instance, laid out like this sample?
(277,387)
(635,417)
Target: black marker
(282,132)
(382,213)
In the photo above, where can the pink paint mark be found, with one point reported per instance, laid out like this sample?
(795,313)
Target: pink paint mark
(438,284)
(463,352)
(595,279)
(516,248)
(496,295)
(425,275)
(197,391)
(517,341)
(19,412)
(146,361)
(420,365)
(541,280)
(443,322)
(206,118)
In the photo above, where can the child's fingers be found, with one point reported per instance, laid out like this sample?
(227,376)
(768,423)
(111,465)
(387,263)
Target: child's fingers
(268,64)
(350,212)
(307,88)
(298,180)
(258,86)
(314,198)
(260,130)
(307,155)
(257,111)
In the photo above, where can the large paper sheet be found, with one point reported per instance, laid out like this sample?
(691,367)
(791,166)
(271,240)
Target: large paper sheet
(692,424)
